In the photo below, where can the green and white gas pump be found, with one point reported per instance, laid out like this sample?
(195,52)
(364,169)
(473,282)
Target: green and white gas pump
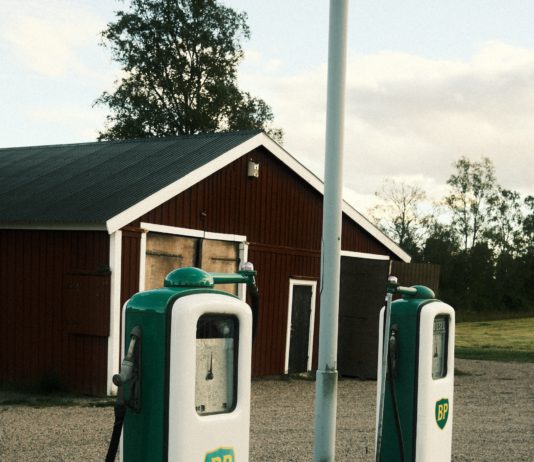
(415,377)
(184,385)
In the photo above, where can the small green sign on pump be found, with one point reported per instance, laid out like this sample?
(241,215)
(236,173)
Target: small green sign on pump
(442,412)
(221,455)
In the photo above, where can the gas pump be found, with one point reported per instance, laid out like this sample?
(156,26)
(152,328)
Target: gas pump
(184,384)
(415,377)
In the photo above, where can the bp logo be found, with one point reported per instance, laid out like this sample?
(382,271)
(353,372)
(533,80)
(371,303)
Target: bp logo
(442,412)
(220,455)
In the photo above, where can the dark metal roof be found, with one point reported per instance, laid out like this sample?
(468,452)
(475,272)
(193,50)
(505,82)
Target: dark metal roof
(91,182)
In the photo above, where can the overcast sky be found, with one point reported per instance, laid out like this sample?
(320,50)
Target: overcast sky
(428,82)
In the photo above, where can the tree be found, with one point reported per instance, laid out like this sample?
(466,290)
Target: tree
(505,218)
(528,225)
(399,215)
(442,248)
(179,59)
(472,186)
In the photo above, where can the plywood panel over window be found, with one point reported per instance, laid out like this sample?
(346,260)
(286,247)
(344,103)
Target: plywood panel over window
(221,257)
(164,253)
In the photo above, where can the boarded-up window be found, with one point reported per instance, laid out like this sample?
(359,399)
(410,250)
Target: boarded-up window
(165,252)
(221,257)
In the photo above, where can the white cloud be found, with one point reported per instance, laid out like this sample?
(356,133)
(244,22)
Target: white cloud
(52,38)
(407,115)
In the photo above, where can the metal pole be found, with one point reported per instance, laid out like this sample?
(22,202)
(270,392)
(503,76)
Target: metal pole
(326,384)
(383,376)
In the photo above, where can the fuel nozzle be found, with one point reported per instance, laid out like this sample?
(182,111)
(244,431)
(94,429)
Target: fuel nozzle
(128,365)
(129,373)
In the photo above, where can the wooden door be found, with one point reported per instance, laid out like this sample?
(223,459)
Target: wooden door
(362,294)
(302,299)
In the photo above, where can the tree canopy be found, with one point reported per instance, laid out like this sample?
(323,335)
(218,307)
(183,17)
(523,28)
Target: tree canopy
(481,235)
(179,60)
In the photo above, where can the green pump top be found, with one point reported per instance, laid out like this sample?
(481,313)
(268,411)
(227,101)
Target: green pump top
(421,293)
(188,277)
(409,293)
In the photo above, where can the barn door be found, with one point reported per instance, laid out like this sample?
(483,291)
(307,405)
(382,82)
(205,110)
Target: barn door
(362,292)
(300,326)
(85,315)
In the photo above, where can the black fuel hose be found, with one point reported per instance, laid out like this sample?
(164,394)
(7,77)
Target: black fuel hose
(391,374)
(255,308)
(120,412)
(128,372)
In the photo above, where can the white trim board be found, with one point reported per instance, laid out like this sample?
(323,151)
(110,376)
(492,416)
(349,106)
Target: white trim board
(174,230)
(313,285)
(261,139)
(368,256)
(115,256)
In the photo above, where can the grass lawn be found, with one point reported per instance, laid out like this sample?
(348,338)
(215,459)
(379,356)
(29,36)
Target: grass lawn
(504,340)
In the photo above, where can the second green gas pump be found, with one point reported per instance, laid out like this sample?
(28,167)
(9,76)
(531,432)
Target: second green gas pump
(415,377)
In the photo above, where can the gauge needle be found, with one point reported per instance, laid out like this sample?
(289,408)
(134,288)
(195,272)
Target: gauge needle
(209,376)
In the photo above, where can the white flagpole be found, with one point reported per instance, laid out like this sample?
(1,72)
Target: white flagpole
(326,379)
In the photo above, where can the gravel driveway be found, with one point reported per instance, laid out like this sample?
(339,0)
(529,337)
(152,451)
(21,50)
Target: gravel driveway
(493,421)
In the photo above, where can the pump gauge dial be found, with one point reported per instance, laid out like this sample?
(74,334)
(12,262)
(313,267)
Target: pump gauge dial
(439,347)
(216,364)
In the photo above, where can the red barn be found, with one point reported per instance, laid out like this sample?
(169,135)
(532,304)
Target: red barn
(84,226)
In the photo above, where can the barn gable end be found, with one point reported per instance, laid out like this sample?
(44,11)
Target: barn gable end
(112,217)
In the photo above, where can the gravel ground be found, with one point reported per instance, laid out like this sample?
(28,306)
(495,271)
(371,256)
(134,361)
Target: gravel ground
(493,420)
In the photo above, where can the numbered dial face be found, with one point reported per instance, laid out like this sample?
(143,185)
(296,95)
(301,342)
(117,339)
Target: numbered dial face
(440,347)
(216,364)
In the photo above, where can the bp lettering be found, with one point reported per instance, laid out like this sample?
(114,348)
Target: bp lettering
(442,412)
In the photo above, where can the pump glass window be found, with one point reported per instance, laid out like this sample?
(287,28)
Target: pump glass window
(216,364)
(440,347)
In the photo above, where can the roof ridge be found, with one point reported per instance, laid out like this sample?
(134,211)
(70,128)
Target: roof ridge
(140,140)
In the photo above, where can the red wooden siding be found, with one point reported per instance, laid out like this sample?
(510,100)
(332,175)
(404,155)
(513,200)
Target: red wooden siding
(41,338)
(278,208)
(275,267)
(355,239)
(281,215)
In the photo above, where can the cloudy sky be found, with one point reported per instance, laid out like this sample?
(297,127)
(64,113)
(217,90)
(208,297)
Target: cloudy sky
(428,81)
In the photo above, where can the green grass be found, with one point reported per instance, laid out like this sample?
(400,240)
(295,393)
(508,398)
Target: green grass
(496,315)
(502,340)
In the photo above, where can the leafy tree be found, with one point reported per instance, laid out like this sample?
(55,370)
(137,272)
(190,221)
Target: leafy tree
(479,278)
(509,284)
(527,269)
(179,60)
(505,219)
(472,186)
(528,225)
(442,247)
